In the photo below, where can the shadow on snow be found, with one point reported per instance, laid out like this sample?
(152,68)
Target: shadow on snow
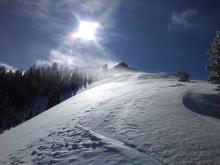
(204,104)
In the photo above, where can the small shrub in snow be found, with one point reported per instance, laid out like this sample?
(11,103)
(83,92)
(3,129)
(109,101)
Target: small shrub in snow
(183,75)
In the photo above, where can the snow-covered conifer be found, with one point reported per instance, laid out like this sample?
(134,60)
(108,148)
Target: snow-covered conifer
(214,58)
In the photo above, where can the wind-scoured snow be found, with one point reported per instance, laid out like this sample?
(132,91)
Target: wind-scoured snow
(133,118)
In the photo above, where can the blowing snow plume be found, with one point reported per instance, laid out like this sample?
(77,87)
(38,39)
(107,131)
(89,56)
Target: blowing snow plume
(79,55)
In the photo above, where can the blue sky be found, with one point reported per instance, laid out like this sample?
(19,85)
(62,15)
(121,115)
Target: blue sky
(150,35)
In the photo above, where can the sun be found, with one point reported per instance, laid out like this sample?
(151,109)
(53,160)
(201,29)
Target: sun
(86,31)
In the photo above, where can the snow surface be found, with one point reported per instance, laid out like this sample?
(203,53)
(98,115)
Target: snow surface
(127,119)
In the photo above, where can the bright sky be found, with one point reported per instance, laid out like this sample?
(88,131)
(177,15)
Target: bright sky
(154,36)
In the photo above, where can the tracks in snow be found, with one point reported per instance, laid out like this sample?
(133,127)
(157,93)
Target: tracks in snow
(129,151)
(79,145)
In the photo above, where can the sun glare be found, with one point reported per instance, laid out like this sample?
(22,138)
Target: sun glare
(86,30)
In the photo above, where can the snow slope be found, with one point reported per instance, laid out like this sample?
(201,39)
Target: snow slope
(127,119)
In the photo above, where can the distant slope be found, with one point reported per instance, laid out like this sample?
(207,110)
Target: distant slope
(132,118)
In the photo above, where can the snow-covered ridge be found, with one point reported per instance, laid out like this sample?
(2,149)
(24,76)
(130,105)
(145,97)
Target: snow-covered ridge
(132,118)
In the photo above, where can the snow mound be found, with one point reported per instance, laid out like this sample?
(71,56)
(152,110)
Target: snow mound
(205,104)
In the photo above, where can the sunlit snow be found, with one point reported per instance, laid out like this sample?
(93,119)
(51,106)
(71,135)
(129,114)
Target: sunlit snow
(127,119)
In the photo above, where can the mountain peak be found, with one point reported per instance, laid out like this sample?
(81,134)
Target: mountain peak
(122,64)
(122,67)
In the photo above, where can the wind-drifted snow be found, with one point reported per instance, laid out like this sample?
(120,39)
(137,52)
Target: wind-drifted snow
(127,119)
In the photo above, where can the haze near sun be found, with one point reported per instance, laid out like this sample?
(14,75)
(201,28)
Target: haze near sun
(86,31)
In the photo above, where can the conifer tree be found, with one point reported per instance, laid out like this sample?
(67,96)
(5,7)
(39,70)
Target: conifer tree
(214,58)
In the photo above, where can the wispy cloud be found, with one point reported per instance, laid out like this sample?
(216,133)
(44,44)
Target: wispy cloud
(182,19)
(74,59)
(60,18)
(62,13)
(7,66)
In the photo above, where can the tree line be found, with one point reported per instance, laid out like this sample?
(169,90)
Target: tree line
(19,90)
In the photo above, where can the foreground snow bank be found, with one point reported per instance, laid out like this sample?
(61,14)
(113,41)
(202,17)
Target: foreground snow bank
(78,145)
(127,119)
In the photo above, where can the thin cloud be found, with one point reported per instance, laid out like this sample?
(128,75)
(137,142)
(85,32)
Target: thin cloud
(54,13)
(72,60)
(182,19)
(60,18)
(8,67)
(77,53)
